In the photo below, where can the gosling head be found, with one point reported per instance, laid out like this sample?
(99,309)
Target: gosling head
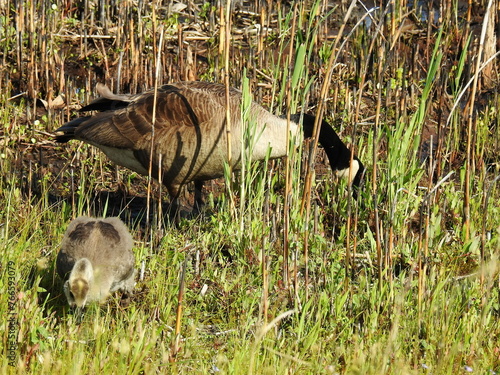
(77,287)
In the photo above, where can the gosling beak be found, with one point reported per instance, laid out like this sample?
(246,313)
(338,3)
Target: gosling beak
(79,313)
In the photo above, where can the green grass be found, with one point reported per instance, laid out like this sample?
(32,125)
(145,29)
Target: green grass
(397,282)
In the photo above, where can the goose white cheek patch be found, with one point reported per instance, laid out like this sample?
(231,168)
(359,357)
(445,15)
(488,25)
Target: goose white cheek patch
(344,173)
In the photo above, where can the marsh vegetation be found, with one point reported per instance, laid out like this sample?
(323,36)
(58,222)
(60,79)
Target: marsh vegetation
(285,272)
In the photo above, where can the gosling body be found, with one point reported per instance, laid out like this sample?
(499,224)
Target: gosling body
(96,259)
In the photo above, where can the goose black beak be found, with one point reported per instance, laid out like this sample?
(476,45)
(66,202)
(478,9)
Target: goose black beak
(358,180)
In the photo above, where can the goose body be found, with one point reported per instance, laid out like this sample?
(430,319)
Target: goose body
(96,259)
(189,138)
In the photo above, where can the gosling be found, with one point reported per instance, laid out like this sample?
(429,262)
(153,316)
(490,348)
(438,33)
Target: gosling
(97,255)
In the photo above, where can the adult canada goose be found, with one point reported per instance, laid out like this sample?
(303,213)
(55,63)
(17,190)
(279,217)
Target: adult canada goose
(189,141)
(96,259)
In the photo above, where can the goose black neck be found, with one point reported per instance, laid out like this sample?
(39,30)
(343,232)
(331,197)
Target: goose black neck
(338,154)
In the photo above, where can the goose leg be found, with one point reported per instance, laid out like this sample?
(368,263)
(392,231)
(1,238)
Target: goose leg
(175,204)
(198,198)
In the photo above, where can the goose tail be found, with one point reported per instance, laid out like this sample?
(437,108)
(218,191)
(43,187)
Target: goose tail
(67,132)
(108,101)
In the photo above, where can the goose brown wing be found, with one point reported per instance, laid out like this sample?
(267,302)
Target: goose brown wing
(186,104)
(177,106)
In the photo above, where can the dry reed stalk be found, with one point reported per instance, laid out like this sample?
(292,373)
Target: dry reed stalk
(159,211)
(265,285)
(159,47)
(175,347)
(380,266)
(288,177)
(423,251)
(264,257)
(486,197)
(260,33)
(180,58)
(471,121)
(225,35)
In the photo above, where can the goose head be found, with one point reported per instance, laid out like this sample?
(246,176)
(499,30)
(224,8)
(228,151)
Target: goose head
(337,152)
